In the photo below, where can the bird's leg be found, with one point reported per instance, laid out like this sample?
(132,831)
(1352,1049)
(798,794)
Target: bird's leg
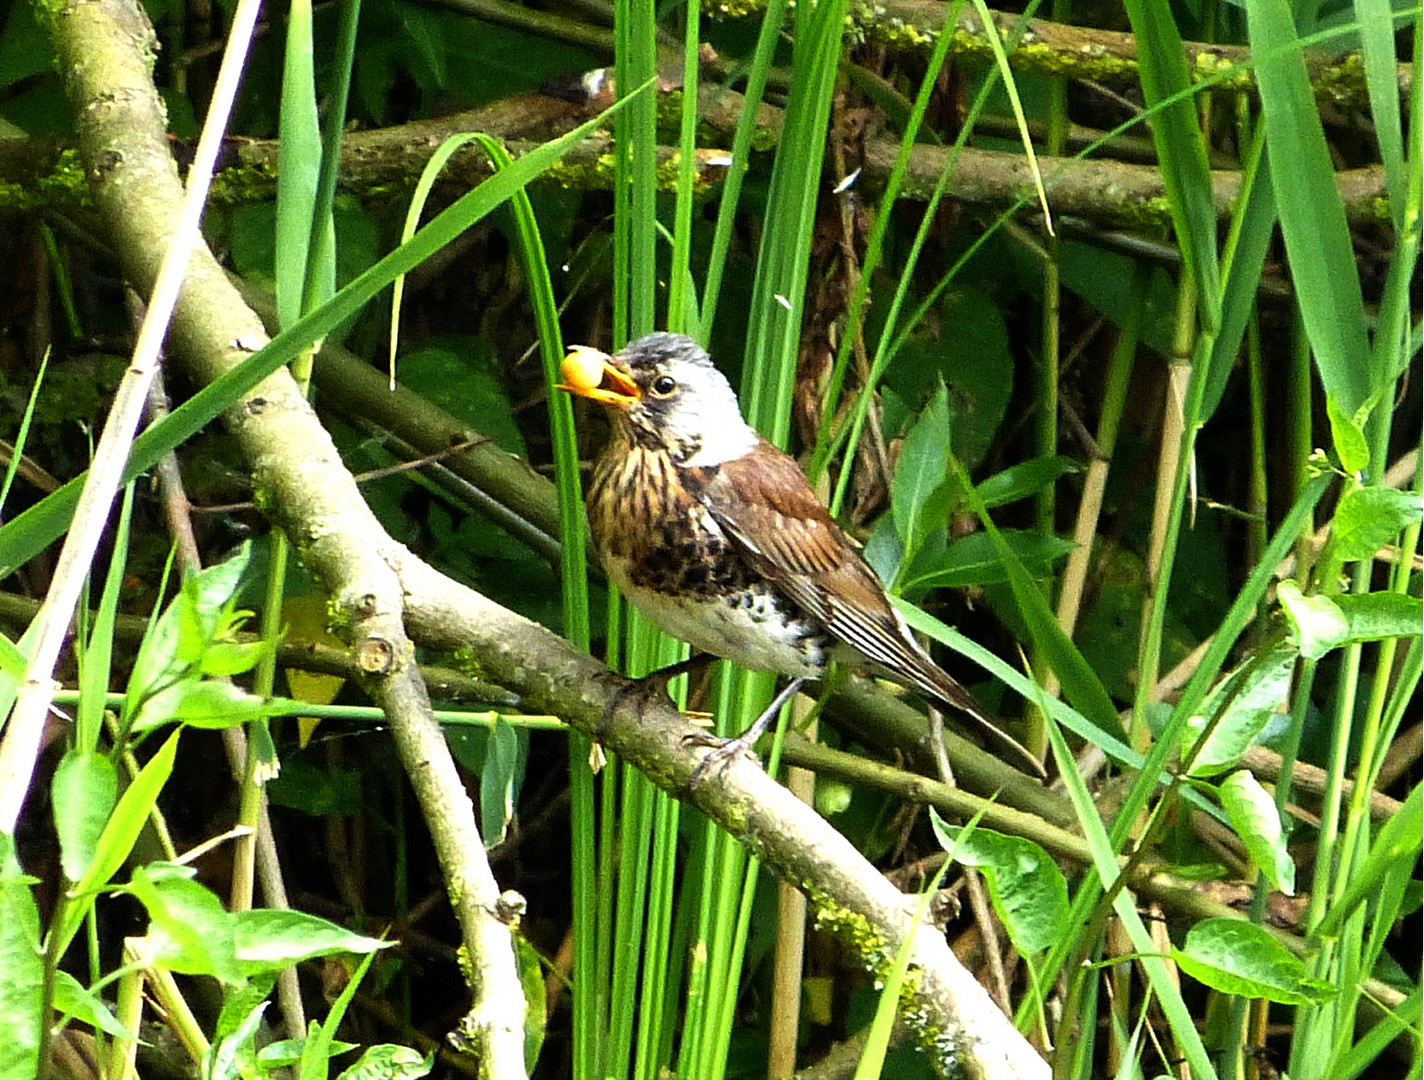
(650,687)
(724,750)
(941,757)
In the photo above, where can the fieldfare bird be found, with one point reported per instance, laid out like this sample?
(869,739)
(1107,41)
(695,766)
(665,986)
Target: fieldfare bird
(714,535)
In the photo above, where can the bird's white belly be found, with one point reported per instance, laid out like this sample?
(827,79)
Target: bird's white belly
(751,629)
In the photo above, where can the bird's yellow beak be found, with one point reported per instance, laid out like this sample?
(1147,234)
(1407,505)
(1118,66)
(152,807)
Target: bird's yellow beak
(591,373)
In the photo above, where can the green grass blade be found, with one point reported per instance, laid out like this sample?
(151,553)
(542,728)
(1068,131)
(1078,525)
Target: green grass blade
(682,314)
(561,413)
(1080,682)
(95,659)
(1176,131)
(17,455)
(635,179)
(872,1058)
(1377,35)
(1252,225)
(321,255)
(418,198)
(767,38)
(778,293)
(1006,74)
(1104,854)
(1317,236)
(298,164)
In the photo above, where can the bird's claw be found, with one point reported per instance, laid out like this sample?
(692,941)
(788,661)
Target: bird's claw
(721,754)
(651,687)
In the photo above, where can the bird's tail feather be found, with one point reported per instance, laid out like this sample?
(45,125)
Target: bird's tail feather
(934,682)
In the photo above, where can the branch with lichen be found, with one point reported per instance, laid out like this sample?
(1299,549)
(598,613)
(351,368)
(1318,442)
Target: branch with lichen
(105,49)
(1105,192)
(1080,52)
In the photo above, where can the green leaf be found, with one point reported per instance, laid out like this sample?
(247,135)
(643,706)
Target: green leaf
(320,790)
(1317,623)
(205,608)
(1024,479)
(389,1061)
(1176,132)
(287,1052)
(1369,518)
(1317,235)
(1252,813)
(155,663)
(924,461)
(298,163)
(1380,615)
(316,1052)
(1080,682)
(531,981)
(84,790)
(500,778)
(975,560)
(227,658)
(191,930)
(21,968)
(207,704)
(1028,890)
(238,1003)
(72,998)
(461,376)
(1395,850)
(178,639)
(1321,623)
(1348,435)
(1236,957)
(1253,704)
(974,358)
(232,1056)
(271,940)
(129,818)
(13,660)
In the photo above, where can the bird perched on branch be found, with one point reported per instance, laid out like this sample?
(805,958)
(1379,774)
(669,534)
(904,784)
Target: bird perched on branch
(715,535)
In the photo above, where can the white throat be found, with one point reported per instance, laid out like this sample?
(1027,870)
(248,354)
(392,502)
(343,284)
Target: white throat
(722,443)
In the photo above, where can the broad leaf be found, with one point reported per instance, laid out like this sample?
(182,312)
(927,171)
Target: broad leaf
(270,940)
(1252,813)
(1257,694)
(1027,888)
(1236,957)
(84,790)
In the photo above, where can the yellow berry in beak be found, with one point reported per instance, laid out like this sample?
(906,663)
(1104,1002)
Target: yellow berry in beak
(582,368)
(591,373)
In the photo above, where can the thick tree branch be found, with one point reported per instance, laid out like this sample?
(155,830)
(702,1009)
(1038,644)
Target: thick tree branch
(1048,48)
(1106,192)
(136,189)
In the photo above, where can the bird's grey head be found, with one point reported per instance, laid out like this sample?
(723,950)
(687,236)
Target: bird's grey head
(681,402)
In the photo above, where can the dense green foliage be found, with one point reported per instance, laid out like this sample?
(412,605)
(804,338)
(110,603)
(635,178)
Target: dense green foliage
(1155,456)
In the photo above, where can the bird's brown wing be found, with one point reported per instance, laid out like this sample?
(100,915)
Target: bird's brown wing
(763,502)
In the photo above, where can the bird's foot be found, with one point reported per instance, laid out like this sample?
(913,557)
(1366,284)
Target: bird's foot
(650,688)
(725,750)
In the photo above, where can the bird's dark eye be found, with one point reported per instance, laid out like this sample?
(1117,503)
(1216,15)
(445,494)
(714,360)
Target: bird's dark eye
(663,385)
